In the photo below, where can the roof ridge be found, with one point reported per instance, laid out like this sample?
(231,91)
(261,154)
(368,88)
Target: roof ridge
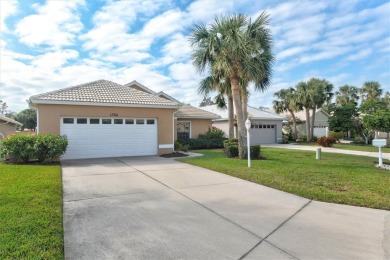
(269,112)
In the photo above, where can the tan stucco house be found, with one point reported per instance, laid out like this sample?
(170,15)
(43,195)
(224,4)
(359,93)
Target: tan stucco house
(106,119)
(320,122)
(7,126)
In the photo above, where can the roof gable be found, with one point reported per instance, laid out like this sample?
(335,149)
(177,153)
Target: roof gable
(188,111)
(9,120)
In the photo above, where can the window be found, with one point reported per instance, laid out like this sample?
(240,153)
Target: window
(94,121)
(129,121)
(140,121)
(118,121)
(150,121)
(81,121)
(272,126)
(183,130)
(106,121)
(68,120)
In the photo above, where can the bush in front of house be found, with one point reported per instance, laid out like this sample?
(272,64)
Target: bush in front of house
(49,147)
(43,148)
(212,133)
(326,141)
(285,138)
(200,143)
(231,149)
(336,135)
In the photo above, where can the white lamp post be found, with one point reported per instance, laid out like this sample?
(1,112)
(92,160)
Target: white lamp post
(248,127)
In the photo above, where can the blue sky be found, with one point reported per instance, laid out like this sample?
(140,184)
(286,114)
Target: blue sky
(48,45)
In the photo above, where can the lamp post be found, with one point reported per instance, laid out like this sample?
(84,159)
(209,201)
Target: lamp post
(248,126)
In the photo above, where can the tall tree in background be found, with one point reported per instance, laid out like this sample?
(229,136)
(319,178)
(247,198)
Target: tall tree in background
(347,94)
(239,49)
(28,118)
(286,102)
(3,107)
(370,90)
(303,98)
(321,93)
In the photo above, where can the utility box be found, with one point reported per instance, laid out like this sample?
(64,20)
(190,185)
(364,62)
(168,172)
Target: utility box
(379,142)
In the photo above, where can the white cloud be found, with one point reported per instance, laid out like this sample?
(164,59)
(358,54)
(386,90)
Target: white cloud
(359,55)
(7,8)
(164,24)
(176,49)
(55,23)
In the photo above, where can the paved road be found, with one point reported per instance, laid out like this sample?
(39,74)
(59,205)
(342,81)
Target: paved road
(155,208)
(327,150)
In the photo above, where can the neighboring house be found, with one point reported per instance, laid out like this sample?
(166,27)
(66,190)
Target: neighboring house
(266,126)
(320,122)
(106,119)
(7,126)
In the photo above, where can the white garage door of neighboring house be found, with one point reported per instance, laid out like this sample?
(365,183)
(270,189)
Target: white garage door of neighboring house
(319,131)
(263,134)
(109,137)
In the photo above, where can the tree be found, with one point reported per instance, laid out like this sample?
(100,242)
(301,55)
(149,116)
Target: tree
(3,107)
(286,102)
(370,90)
(237,49)
(28,118)
(303,99)
(347,94)
(378,121)
(343,118)
(321,93)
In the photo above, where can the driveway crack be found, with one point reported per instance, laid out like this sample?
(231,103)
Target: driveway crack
(273,231)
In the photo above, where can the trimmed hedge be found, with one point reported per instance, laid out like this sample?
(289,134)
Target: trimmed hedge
(43,148)
(231,149)
(202,143)
(336,135)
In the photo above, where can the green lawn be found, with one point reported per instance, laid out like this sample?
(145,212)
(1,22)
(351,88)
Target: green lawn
(337,178)
(353,147)
(30,212)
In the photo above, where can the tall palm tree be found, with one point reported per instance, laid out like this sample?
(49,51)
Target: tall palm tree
(347,95)
(321,93)
(286,103)
(236,47)
(371,90)
(303,99)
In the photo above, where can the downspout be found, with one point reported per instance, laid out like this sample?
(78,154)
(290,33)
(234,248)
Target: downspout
(173,128)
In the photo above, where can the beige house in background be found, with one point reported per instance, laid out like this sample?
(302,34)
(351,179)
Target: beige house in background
(106,119)
(320,122)
(7,126)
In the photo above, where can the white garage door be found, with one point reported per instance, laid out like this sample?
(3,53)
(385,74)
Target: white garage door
(263,134)
(109,137)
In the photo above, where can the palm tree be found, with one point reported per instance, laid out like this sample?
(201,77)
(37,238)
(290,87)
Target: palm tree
(347,95)
(370,90)
(236,47)
(321,93)
(303,99)
(286,103)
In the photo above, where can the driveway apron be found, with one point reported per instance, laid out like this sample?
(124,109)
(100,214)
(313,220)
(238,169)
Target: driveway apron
(156,208)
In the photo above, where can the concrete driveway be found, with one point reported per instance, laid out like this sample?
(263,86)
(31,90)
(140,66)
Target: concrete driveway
(156,208)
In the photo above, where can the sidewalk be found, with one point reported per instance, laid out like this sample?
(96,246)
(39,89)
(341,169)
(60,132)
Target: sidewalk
(327,150)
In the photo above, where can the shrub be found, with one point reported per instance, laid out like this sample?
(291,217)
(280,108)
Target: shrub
(358,140)
(255,151)
(314,138)
(213,133)
(231,151)
(336,135)
(44,148)
(230,141)
(326,141)
(200,143)
(178,145)
(285,138)
(48,148)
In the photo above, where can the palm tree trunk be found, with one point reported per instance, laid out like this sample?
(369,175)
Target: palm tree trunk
(240,121)
(307,124)
(231,116)
(313,117)
(294,124)
(244,100)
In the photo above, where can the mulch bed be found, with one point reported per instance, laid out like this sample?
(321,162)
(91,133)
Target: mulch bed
(173,155)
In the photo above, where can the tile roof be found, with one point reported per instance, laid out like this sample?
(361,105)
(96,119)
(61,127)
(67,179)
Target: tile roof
(9,120)
(253,112)
(188,111)
(102,91)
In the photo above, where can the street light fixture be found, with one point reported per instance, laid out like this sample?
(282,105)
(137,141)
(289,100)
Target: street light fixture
(248,125)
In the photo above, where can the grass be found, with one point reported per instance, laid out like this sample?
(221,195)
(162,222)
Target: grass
(30,212)
(337,178)
(353,147)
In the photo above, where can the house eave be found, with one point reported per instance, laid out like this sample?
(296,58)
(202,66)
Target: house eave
(108,104)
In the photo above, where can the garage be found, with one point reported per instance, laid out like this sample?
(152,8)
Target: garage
(97,137)
(263,134)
